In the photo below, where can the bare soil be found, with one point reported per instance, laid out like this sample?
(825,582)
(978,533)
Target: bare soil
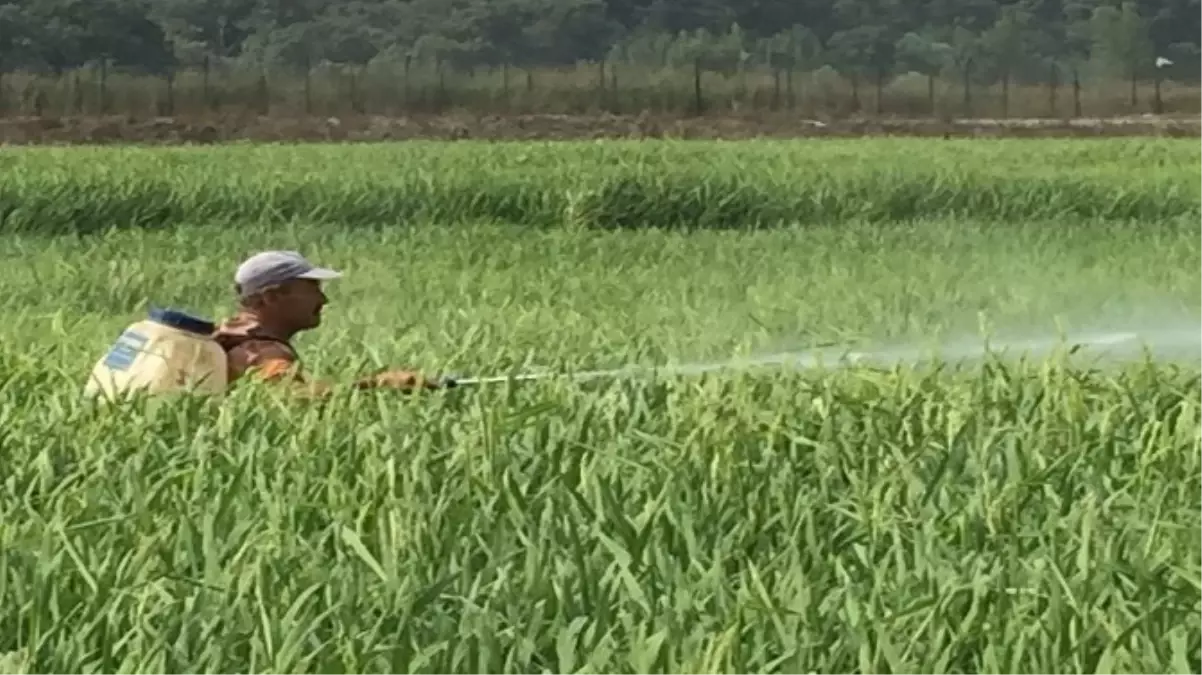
(178,130)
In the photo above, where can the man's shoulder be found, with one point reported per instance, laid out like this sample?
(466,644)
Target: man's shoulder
(261,349)
(268,358)
(239,325)
(248,346)
(244,333)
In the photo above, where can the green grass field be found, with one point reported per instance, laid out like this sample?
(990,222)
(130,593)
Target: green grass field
(1040,515)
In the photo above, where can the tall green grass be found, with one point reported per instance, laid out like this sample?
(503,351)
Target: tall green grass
(1018,516)
(1024,519)
(623,185)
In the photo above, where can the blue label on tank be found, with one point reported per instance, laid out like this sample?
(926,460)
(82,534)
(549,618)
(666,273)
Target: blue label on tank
(124,351)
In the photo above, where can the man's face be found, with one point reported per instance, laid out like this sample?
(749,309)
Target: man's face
(298,303)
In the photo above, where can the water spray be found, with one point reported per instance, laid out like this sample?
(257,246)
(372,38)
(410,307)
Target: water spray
(1128,342)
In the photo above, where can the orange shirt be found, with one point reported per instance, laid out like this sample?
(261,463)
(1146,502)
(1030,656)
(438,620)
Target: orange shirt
(250,347)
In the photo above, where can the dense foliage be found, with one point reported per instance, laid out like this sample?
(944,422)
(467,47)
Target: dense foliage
(987,40)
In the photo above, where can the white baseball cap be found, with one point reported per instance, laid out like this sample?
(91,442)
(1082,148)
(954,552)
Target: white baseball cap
(270,268)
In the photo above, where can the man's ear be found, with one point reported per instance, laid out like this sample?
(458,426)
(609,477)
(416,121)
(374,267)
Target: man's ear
(273,294)
(254,301)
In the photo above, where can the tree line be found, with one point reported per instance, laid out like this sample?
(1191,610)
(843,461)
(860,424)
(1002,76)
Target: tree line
(868,44)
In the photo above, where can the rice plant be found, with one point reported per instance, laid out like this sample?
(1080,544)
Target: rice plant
(613,185)
(1009,514)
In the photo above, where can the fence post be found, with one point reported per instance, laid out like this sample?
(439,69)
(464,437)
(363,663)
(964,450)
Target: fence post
(406,92)
(1076,92)
(527,104)
(967,108)
(264,95)
(169,103)
(603,100)
(76,94)
(205,87)
(1006,94)
(505,86)
(358,105)
(103,88)
(616,97)
(698,99)
(790,96)
(879,104)
(443,102)
(776,96)
(308,66)
(1053,85)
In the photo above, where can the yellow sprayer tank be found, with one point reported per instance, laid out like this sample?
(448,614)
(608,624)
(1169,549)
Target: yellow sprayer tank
(168,352)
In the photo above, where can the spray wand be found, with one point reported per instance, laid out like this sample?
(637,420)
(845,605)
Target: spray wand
(803,359)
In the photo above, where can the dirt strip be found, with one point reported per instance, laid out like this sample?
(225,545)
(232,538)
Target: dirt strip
(122,130)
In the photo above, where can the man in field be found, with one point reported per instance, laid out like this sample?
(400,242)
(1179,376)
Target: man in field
(280,295)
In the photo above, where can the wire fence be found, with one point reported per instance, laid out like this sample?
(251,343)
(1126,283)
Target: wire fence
(387,90)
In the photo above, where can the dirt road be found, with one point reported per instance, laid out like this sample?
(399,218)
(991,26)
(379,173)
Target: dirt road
(45,130)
